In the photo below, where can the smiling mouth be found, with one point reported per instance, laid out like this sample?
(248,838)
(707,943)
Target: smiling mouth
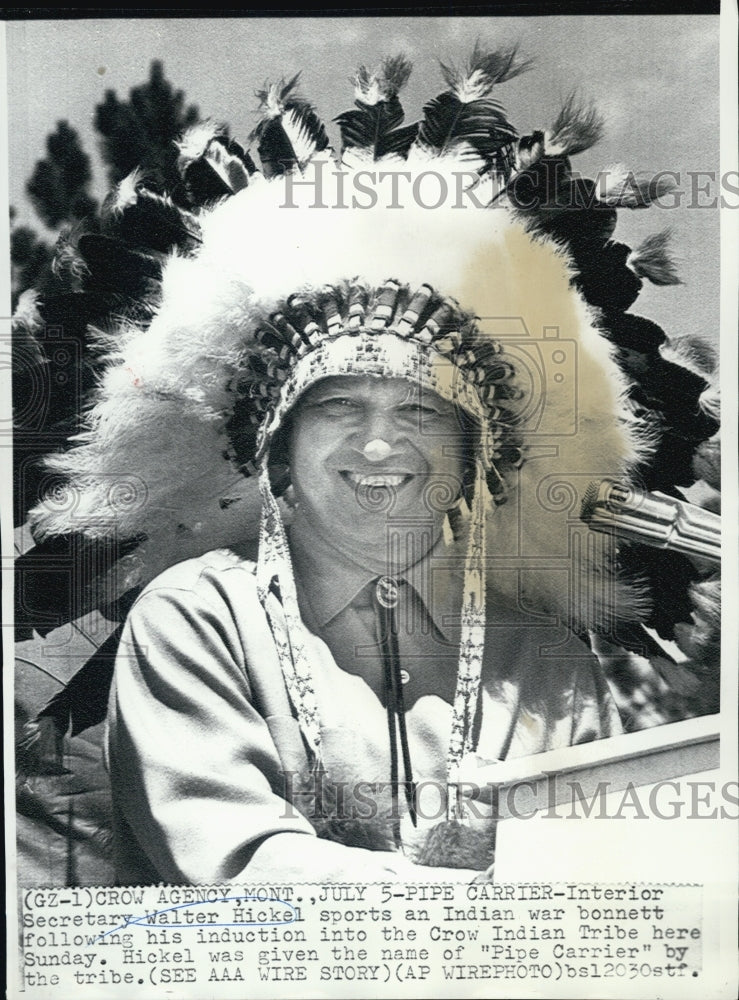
(382,479)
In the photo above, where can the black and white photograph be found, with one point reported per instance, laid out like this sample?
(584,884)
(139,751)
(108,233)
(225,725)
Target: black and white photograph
(363,447)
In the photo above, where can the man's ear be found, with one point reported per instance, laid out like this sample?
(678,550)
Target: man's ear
(279,458)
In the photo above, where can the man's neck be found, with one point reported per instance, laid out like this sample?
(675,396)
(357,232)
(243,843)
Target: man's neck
(328,579)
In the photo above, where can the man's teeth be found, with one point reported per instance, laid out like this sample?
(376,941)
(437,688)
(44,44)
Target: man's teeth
(377,479)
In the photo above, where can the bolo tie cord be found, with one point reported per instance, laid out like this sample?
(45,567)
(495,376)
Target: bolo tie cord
(387,599)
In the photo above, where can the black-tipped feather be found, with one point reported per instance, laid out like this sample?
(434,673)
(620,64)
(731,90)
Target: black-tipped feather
(142,218)
(473,130)
(484,70)
(578,127)
(212,165)
(290,131)
(465,121)
(375,124)
(375,127)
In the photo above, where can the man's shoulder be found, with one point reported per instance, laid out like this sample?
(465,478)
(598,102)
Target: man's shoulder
(213,570)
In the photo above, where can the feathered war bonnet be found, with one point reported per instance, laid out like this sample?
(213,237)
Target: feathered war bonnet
(425,252)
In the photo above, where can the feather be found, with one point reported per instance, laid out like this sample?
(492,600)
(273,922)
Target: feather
(114,266)
(125,193)
(68,265)
(374,132)
(30,370)
(621,188)
(290,132)
(305,132)
(195,141)
(104,341)
(605,280)
(706,635)
(465,121)
(477,131)
(710,401)
(651,260)
(27,322)
(211,164)
(707,462)
(39,749)
(578,127)
(530,150)
(83,701)
(143,218)
(384,83)
(375,125)
(695,352)
(483,71)
(274,96)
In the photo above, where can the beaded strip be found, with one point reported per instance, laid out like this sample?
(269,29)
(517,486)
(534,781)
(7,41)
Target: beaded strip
(471,646)
(288,631)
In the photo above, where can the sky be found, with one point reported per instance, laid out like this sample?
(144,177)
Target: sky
(654,78)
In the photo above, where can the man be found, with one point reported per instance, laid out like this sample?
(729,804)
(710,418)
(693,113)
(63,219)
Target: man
(431,393)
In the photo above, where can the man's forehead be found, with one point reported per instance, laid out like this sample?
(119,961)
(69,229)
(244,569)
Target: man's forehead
(361,386)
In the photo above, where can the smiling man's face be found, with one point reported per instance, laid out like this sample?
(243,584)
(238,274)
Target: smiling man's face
(348,495)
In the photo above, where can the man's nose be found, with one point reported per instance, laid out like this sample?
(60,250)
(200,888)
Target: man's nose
(377,450)
(380,434)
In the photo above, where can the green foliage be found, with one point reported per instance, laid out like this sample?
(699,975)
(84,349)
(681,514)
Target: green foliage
(59,185)
(140,132)
(30,260)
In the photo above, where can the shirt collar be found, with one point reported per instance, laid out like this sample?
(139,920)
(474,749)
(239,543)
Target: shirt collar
(329,582)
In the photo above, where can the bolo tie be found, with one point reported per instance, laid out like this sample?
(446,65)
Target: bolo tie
(386,593)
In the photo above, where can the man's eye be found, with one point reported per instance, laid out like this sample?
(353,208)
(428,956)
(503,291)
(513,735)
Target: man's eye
(420,408)
(335,403)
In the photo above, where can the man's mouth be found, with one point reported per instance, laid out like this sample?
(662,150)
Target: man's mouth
(383,479)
